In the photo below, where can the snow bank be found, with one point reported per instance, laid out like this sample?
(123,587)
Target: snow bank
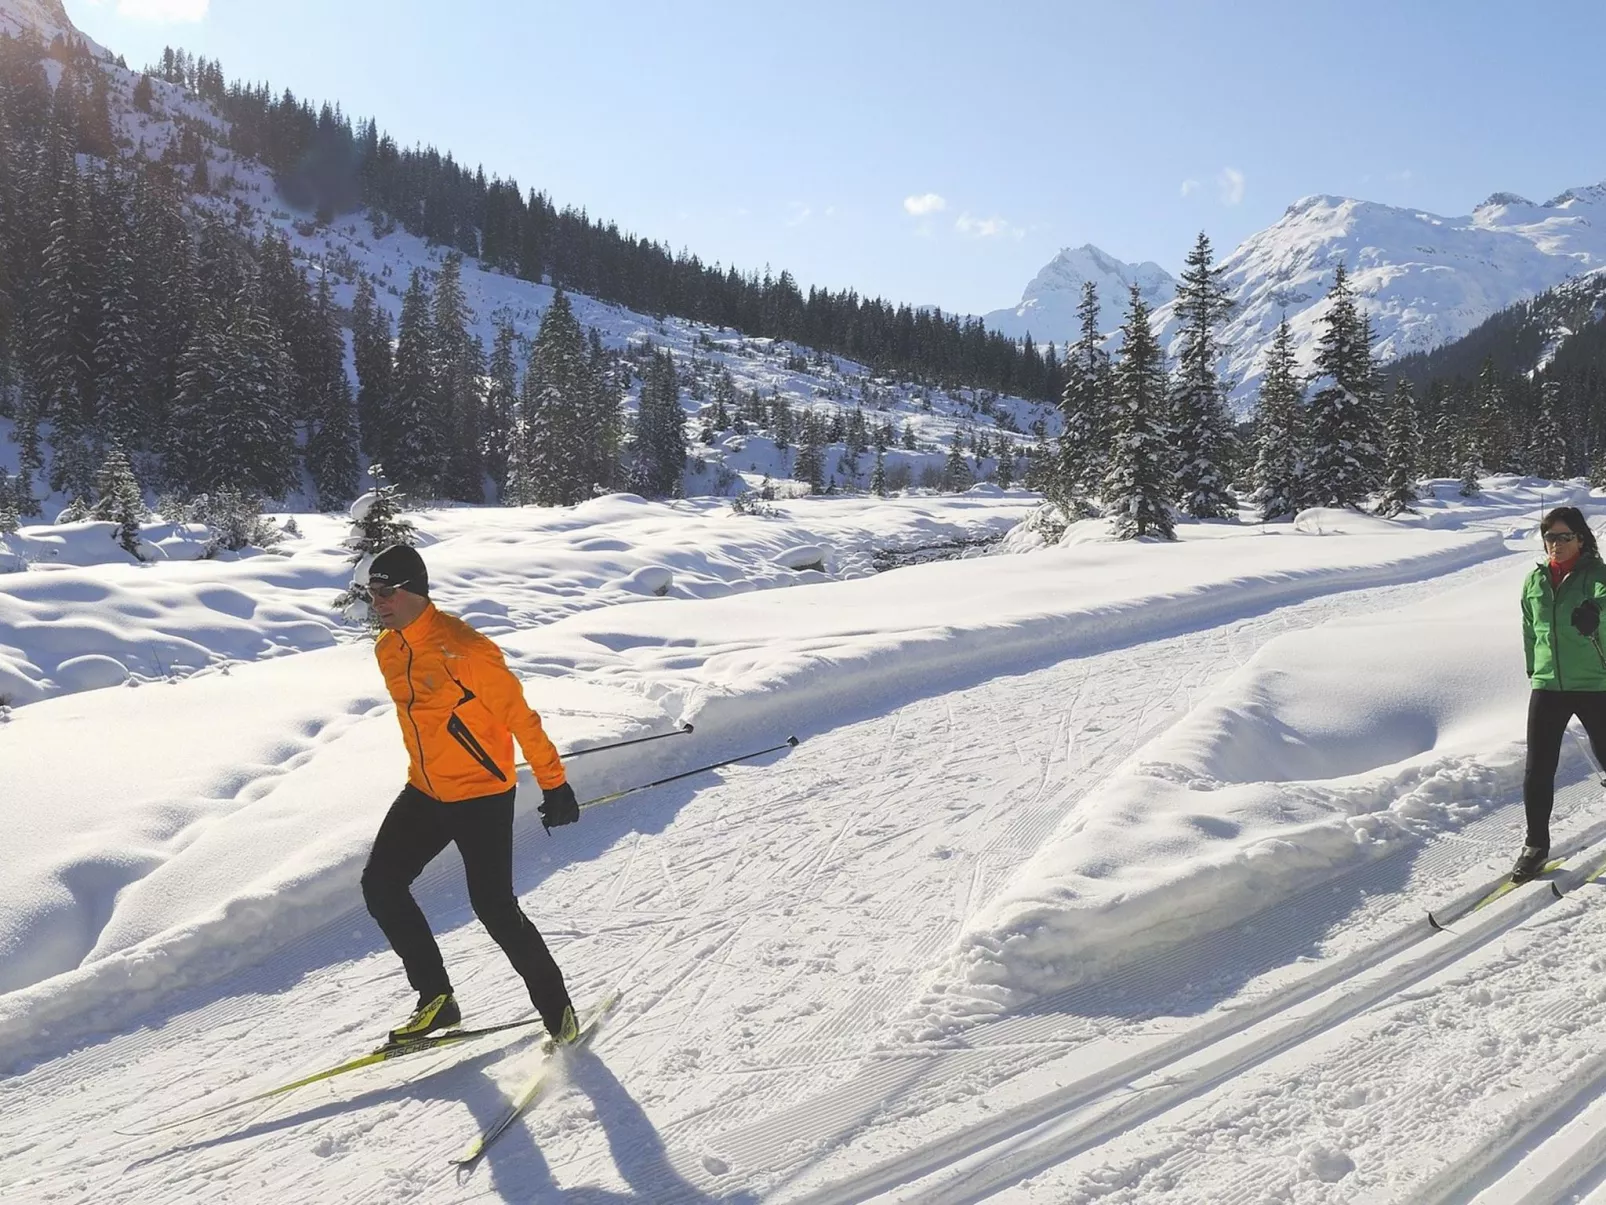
(500,569)
(1331,746)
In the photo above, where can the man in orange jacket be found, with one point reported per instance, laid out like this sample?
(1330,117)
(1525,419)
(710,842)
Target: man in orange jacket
(460,710)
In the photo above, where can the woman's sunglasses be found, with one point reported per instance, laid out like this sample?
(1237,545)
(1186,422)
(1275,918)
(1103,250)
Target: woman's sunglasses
(1560,537)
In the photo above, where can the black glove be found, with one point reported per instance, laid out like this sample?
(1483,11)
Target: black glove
(1586,617)
(558,806)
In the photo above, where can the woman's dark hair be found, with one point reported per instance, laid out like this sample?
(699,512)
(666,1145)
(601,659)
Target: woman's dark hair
(1574,518)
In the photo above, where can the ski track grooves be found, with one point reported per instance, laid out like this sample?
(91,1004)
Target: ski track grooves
(766,1144)
(1023,1152)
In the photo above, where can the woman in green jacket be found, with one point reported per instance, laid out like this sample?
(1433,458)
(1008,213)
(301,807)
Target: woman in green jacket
(1561,605)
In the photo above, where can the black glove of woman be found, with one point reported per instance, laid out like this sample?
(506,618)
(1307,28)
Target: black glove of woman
(558,806)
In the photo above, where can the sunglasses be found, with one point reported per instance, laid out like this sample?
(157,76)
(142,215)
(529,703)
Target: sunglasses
(385,591)
(1560,537)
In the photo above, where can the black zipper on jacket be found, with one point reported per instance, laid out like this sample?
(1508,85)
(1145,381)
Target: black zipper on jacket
(461,734)
(418,736)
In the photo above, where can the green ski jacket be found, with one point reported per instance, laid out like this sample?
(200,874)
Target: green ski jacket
(1559,658)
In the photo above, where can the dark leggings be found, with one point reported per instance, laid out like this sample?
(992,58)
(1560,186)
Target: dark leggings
(417,828)
(1548,713)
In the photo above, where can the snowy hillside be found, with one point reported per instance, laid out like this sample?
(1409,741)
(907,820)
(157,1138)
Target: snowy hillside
(922,420)
(1047,309)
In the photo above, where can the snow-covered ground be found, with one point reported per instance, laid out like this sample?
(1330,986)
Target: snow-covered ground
(1099,874)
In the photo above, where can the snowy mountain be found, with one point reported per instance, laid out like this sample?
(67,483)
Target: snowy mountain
(1553,328)
(1424,280)
(47,18)
(1047,309)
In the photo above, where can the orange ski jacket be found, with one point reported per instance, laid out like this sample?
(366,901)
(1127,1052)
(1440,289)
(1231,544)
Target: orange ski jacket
(460,709)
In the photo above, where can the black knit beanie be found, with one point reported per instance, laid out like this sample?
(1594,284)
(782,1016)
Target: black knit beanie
(402,567)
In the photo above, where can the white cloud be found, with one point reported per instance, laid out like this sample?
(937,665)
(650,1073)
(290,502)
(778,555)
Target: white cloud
(166,12)
(987,227)
(1231,184)
(1190,186)
(798,213)
(925,204)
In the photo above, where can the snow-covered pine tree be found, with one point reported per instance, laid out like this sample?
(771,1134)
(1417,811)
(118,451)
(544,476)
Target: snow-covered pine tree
(1403,443)
(1005,476)
(377,523)
(1138,489)
(1343,465)
(332,444)
(1492,428)
(501,401)
(371,350)
(251,438)
(558,393)
(1546,443)
(878,475)
(956,473)
(1202,432)
(1469,467)
(1280,431)
(59,366)
(659,453)
(810,463)
(10,516)
(120,343)
(416,443)
(118,499)
(460,370)
(596,461)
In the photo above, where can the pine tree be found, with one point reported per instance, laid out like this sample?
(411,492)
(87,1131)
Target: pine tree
(556,406)
(601,421)
(416,442)
(1491,428)
(1547,445)
(371,350)
(810,463)
(59,367)
(459,368)
(120,342)
(659,451)
(332,445)
(956,474)
(1279,458)
(1203,433)
(377,523)
(501,402)
(119,500)
(878,476)
(1138,489)
(1403,443)
(1343,462)
(1005,476)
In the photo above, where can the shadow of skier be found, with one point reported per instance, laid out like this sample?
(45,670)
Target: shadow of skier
(521,1172)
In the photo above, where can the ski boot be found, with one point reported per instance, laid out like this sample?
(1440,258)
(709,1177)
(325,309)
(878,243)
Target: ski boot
(1530,862)
(433,1013)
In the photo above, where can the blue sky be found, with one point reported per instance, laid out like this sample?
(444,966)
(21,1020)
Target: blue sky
(938,152)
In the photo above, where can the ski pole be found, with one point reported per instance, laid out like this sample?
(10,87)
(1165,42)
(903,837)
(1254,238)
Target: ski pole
(789,743)
(683,730)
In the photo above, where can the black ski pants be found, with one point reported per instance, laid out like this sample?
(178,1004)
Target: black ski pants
(418,827)
(1548,714)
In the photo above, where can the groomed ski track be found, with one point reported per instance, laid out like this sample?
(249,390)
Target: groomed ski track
(765,950)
